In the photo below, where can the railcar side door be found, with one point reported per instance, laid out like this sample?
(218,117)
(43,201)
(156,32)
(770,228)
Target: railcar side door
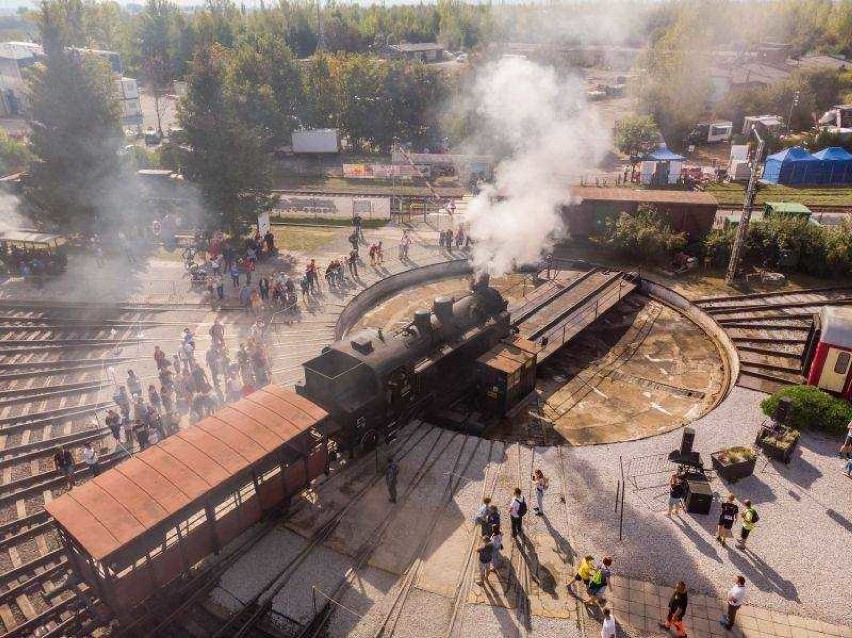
(835,370)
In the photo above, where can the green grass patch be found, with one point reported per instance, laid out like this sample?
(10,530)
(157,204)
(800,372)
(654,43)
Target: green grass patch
(302,239)
(732,194)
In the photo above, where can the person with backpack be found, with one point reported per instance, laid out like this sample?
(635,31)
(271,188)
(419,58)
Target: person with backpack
(485,550)
(517,510)
(726,519)
(541,484)
(750,519)
(599,582)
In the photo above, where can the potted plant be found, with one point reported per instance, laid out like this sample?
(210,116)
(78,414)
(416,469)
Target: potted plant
(779,445)
(734,463)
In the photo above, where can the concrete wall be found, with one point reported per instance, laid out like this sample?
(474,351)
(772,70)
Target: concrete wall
(730,359)
(331,206)
(378,292)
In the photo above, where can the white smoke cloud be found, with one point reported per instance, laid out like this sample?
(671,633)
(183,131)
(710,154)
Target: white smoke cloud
(10,219)
(552,138)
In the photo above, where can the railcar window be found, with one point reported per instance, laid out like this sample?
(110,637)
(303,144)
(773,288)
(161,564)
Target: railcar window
(842,363)
(266,476)
(224,507)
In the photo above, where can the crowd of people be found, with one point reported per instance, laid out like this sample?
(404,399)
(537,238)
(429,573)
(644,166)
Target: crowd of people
(591,578)
(185,387)
(32,263)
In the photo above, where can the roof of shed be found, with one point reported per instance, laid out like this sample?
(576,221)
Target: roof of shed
(112,510)
(644,196)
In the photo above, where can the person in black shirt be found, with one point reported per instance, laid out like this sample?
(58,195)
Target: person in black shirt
(677,490)
(64,463)
(677,609)
(726,519)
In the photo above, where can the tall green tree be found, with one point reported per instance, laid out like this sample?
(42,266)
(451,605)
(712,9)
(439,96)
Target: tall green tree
(636,136)
(265,84)
(158,33)
(229,157)
(75,128)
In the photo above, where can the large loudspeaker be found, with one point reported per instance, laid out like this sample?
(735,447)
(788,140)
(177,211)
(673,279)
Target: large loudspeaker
(687,441)
(699,496)
(782,412)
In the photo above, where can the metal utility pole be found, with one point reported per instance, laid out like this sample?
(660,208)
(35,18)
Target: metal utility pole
(748,205)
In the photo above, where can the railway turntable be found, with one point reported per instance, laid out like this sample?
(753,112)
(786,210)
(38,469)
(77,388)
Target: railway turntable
(134,529)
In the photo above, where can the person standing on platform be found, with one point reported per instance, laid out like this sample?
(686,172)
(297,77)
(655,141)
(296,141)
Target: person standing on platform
(481,517)
(726,519)
(517,509)
(485,550)
(736,597)
(677,490)
(750,519)
(391,475)
(496,545)
(541,484)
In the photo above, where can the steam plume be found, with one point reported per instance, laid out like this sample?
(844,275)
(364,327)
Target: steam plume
(550,138)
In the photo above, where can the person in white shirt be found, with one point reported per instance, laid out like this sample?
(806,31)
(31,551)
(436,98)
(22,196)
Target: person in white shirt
(608,627)
(153,435)
(90,458)
(481,517)
(736,597)
(541,482)
(517,508)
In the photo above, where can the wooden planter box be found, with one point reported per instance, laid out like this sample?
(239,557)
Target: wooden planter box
(779,453)
(733,472)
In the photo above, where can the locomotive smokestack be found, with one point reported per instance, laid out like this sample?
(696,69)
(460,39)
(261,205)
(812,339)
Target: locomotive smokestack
(443,309)
(423,322)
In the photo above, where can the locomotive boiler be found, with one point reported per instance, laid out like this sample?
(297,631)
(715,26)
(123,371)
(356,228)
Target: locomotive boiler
(372,382)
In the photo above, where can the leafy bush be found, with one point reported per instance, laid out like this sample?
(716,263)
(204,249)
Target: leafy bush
(811,409)
(787,244)
(644,235)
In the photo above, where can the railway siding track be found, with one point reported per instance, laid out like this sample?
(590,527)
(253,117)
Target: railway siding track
(770,331)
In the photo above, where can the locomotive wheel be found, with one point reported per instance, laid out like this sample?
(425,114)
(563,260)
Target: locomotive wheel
(369,440)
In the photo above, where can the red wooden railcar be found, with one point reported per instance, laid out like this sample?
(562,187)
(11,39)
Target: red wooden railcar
(829,358)
(150,519)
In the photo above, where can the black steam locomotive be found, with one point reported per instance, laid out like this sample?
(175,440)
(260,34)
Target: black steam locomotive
(371,382)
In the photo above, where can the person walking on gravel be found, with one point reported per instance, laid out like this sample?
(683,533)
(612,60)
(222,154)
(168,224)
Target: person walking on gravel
(750,518)
(391,475)
(541,484)
(726,519)
(485,551)
(736,597)
(677,610)
(599,581)
(517,509)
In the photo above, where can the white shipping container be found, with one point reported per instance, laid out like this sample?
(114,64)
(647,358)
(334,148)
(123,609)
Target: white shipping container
(322,140)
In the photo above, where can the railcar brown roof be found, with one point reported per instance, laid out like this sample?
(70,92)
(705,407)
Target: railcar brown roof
(644,196)
(107,513)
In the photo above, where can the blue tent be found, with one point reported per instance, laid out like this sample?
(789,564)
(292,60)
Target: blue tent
(792,166)
(836,165)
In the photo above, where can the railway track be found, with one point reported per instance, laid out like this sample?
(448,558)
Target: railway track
(770,331)
(50,394)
